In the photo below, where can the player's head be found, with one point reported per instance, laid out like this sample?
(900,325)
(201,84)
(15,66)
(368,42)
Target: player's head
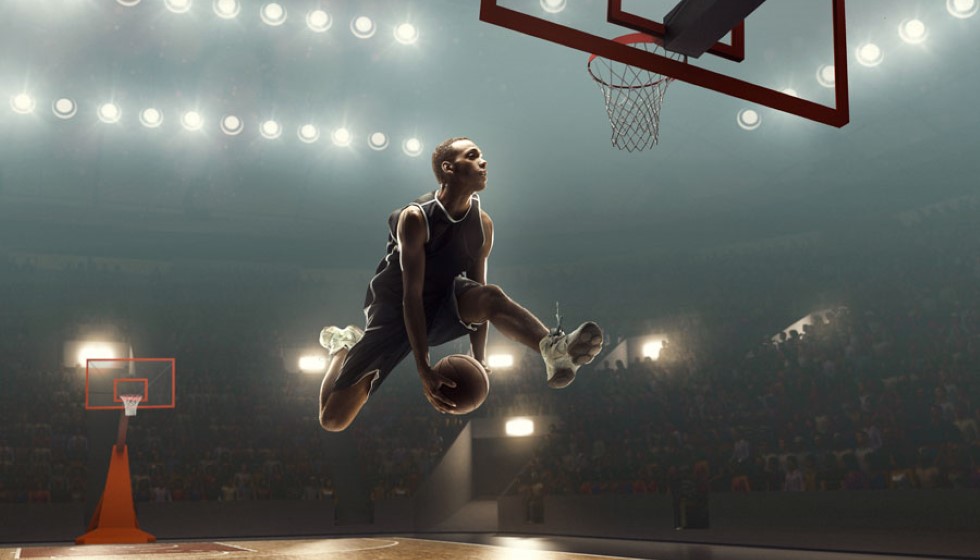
(445,152)
(459,159)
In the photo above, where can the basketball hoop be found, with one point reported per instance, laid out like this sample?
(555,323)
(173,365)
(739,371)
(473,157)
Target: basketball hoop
(131,402)
(633,96)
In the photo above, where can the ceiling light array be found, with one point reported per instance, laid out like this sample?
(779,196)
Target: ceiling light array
(274,14)
(230,124)
(869,54)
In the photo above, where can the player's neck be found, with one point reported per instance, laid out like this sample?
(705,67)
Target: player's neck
(455,199)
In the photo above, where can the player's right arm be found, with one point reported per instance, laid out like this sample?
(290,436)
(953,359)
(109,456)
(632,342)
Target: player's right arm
(412,232)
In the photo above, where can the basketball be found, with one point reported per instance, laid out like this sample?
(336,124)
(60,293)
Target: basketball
(472,382)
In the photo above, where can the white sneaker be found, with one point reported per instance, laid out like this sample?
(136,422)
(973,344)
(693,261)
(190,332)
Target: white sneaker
(564,353)
(335,338)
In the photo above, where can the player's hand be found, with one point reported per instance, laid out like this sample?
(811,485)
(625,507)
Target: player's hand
(486,367)
(432,382)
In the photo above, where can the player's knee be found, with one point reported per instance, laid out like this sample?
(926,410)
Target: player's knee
(333,422)
(493,295)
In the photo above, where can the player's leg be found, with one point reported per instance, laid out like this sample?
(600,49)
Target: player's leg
(359,363)
(339,407)
(563,353)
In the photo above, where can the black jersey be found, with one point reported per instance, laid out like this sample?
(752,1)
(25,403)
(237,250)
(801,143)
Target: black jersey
(452,247)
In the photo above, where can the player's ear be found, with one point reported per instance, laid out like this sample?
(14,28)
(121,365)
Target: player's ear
(447,166)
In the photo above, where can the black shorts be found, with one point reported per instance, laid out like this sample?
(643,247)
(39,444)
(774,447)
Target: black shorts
(385,343)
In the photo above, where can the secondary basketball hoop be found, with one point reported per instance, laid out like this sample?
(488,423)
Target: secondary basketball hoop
(130,402)
(633,96)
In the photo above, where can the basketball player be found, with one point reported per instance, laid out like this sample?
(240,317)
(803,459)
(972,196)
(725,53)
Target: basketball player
(430,289)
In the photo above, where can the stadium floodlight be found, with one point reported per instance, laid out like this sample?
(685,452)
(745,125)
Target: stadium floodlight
(500,361)
(378,141)
(318,21)
(270,129)
(341,137)
(232,125)
(273,14)
(109,113)
(412,147)
(553,6)
(22,103)
(151,117)
(308,133)
(312,364)
(192,121)
(913,31)
(128,3)
(962,9)
(64,108)
(406,33)
(748,119)
(519,427)
(227,9)
(363,27)
(869,54)
(827,75)
(178,6)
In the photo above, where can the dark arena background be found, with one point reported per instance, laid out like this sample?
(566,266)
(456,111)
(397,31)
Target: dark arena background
(788,282)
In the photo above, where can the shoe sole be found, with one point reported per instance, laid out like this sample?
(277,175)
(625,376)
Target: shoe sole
(583,349)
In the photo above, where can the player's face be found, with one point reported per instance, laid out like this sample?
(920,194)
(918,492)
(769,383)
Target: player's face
(469,166)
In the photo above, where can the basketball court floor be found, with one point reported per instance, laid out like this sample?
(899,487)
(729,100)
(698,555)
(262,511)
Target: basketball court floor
(406,548)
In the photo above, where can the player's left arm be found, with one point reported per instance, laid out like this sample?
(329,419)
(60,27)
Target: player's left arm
(478,273)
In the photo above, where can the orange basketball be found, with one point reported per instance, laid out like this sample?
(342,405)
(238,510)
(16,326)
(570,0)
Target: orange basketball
(472,382)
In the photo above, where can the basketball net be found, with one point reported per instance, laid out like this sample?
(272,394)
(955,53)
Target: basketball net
(633,96)
(131,402)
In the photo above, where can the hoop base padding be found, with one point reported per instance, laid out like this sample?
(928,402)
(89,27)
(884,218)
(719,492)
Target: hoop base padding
(114,521)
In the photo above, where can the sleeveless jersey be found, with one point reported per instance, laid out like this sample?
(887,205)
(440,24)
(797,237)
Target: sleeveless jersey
(451,248)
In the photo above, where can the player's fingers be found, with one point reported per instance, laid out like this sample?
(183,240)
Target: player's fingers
(447,382)
(444,401)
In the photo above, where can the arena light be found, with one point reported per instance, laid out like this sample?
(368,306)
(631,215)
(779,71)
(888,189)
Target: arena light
(319,21)
(363,27)
(95,351)
(500,361)
(341,137)
(791,91)
(652,349)
(913,31)
(308,133)
(312,364)
(412,147)
(109,113)
(378,141)
(270,129)
(962,9)
(749,119)
(151,117)
(22,103)
(273,14)
(869,54)
(827,75)
(227,9)
(553,6)
(128,3)
(64,108)
(406,33)
(178,6)
(519,427)
(192,121)
(232,125)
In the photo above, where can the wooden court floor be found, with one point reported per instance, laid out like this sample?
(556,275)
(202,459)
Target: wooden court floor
(395,548)
(407,548)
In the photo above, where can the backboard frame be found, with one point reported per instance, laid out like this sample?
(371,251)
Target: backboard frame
(837,115)
(144,381)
